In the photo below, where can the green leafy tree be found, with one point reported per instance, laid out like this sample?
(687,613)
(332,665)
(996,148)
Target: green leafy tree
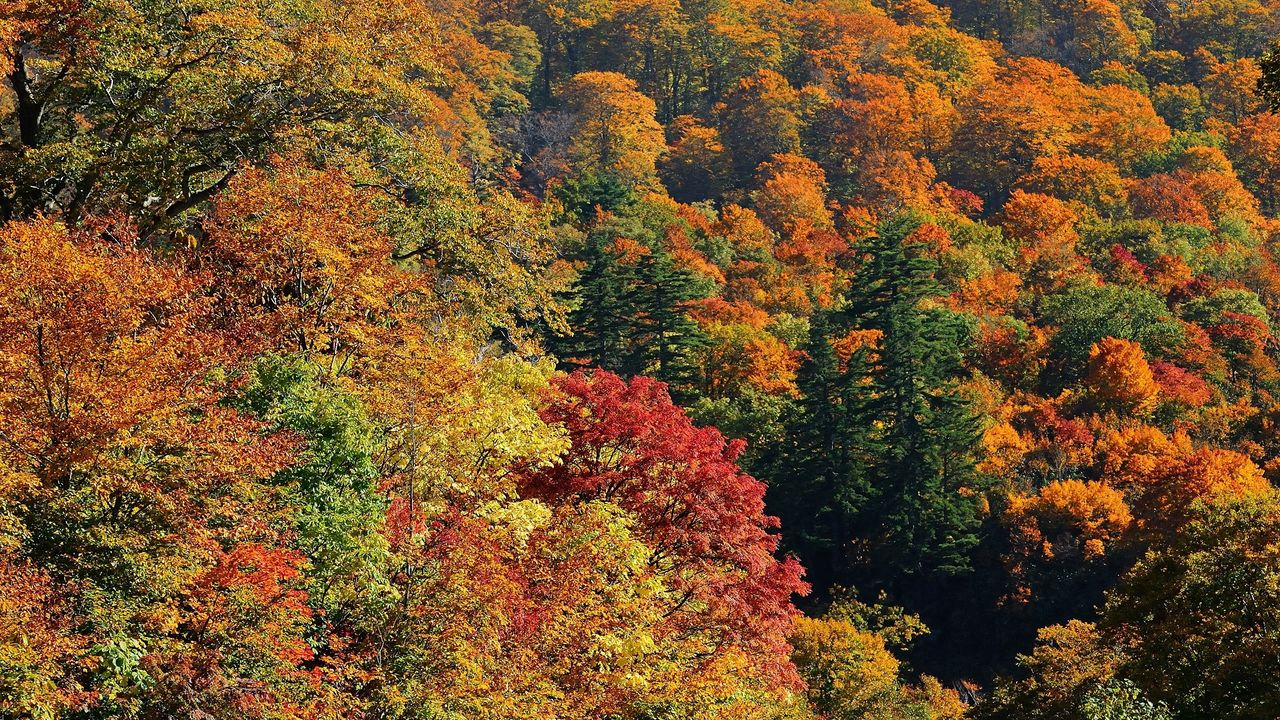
(1121,700)
(1203,612)
(1085,315)
(152,106)
(339,511)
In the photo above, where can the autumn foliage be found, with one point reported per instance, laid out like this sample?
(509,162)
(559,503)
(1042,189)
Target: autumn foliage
(590,359)
(703,518)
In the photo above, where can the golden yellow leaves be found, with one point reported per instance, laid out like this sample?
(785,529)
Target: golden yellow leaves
(1069,516)
(615,133)
(1119,377)
(297,253)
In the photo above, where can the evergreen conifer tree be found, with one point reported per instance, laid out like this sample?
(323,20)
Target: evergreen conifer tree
(631,306)
(882,445)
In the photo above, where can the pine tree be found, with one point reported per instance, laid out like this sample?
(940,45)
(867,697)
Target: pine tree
(925,480)
(664,332)
(820,471)
(878,468)
(600,321)
(631,306)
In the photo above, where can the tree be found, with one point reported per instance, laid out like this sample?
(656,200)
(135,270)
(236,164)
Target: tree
(1096,183)
(1085,315)
(339,511)
(1068,662)
(1269,80)
(1044,228)
(741,354)
(1166,198)
(872,137)
(820,471)
(849,673)
(614,133)
(40,654)
(758,120)
(1099,34)
(700,516)
(1176,486)
(1024,113)
(133,490)
(1033,109)
(844,657)
(1120,125)
(1192,590)
(696,166)
(1070,517)
(1181,106)
(1119,377)
(151,108)
(928,489)
(1229,89)
(1122,700)
(791,197)
(1062,542)
(1255,151)
(1181,601)
(633,301)
(884,444)
(298,251)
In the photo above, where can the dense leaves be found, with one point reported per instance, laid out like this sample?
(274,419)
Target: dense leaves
(419,359)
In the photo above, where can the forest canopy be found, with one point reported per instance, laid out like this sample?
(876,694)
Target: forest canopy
(639,360)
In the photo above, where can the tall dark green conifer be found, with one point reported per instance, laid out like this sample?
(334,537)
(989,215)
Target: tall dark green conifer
(924,505)
(602,314)
(820,472)
(664,334)
(631,310)
(879,467)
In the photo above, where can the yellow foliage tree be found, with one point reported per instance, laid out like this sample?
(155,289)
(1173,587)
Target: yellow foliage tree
(1119,377)
(614,133)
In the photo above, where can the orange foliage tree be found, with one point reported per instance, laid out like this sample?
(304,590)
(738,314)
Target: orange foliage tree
(1119,377)
(140,494)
